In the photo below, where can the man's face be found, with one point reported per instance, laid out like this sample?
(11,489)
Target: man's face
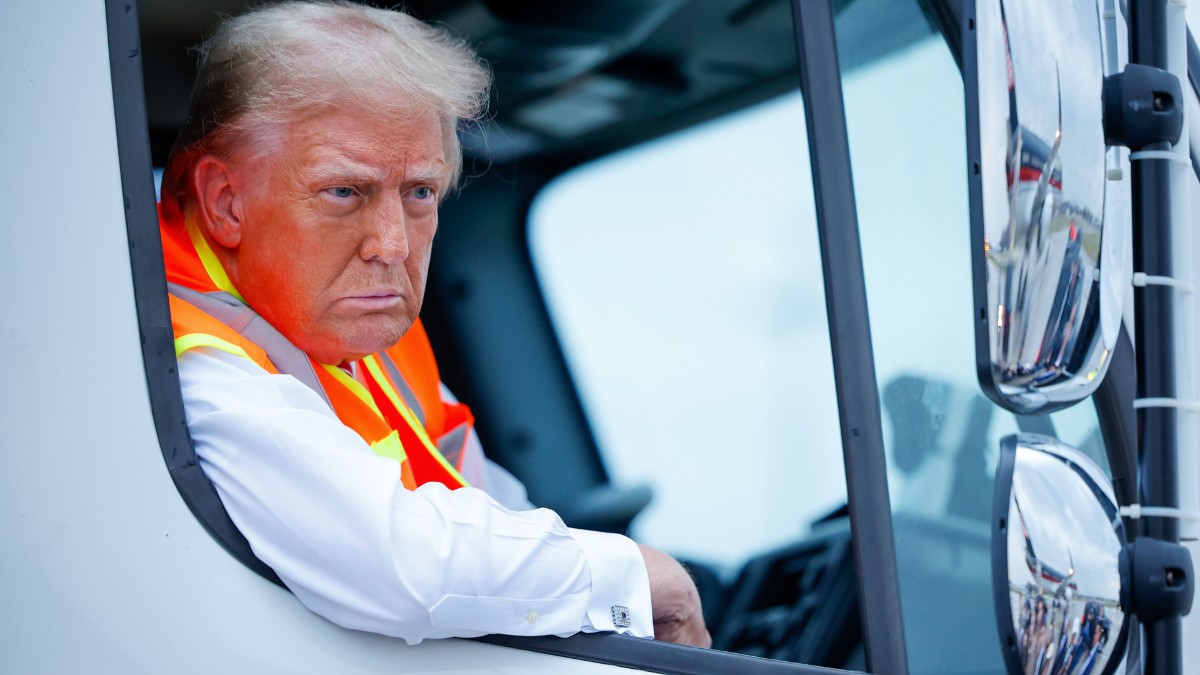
(337,222)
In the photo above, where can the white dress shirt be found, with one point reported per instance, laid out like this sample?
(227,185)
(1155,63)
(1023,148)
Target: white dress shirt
(335,523)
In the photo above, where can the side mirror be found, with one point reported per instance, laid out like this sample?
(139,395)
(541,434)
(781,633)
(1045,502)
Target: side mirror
(1058,553)
(1048,231)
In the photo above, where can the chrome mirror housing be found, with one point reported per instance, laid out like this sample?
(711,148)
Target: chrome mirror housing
(1048,226)
(1057,555)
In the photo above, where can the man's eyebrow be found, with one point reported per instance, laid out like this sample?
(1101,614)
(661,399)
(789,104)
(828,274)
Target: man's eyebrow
(355,173)
(431,172)
(343,171)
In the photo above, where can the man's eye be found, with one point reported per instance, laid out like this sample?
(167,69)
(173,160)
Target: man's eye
(423,192)
(342,192)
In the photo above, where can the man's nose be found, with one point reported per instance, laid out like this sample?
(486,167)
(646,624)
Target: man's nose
(387,235)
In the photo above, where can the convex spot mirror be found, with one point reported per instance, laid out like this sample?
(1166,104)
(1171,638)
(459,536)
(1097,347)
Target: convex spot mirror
(1048,224)
(1056,560)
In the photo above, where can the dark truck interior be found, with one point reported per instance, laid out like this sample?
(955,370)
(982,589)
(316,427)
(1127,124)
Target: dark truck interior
(575,81)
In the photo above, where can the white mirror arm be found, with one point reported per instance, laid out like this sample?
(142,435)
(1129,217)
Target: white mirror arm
(1136,511)
(1141,280)
(1191,406)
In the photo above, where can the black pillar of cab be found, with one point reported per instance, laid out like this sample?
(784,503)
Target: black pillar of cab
(850,338)
(1155,334)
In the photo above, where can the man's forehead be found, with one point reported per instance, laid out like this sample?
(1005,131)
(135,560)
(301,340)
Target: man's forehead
(344,143)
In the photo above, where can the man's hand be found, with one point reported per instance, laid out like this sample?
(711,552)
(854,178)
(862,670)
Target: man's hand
(674,601)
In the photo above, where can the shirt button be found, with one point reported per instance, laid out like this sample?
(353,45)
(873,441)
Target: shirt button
(532,618)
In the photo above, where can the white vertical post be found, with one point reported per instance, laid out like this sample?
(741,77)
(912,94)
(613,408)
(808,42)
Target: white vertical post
(1184,219)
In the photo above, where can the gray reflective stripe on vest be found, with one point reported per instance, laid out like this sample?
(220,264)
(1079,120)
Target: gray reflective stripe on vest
(223,307)
(451,444)
(410,397)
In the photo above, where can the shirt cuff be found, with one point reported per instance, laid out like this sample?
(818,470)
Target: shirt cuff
(620,599)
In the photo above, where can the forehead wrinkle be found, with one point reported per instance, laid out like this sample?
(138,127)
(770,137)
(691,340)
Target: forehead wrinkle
(329,155)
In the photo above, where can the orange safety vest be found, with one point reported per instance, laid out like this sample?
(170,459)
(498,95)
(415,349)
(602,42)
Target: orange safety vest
(395,404)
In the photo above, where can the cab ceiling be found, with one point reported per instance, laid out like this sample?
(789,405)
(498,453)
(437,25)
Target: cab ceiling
(573,79)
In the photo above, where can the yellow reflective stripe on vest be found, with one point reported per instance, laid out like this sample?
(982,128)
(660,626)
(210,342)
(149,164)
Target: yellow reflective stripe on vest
(354,386)
(376,371)
(193,340)
(389,446)
(212,265)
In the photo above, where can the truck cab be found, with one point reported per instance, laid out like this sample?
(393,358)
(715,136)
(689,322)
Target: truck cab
(710,280)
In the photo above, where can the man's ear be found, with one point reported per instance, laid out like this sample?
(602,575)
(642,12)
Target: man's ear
(218,201)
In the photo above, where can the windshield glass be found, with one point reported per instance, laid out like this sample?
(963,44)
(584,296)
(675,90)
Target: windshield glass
(701,352)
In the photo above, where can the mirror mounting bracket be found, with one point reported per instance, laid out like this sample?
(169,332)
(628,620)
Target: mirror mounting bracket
(1158,579)
(1143,105)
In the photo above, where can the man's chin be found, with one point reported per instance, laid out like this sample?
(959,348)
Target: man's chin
(350,340)
(376,339)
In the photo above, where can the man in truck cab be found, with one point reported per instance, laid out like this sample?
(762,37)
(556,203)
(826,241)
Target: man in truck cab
(299,207)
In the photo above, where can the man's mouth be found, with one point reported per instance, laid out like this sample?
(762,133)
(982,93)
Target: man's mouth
(374,300)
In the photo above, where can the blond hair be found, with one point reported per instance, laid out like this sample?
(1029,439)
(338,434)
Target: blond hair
(262,69)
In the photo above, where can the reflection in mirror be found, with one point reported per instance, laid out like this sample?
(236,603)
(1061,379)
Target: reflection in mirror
(1055,554)
(1034,76)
